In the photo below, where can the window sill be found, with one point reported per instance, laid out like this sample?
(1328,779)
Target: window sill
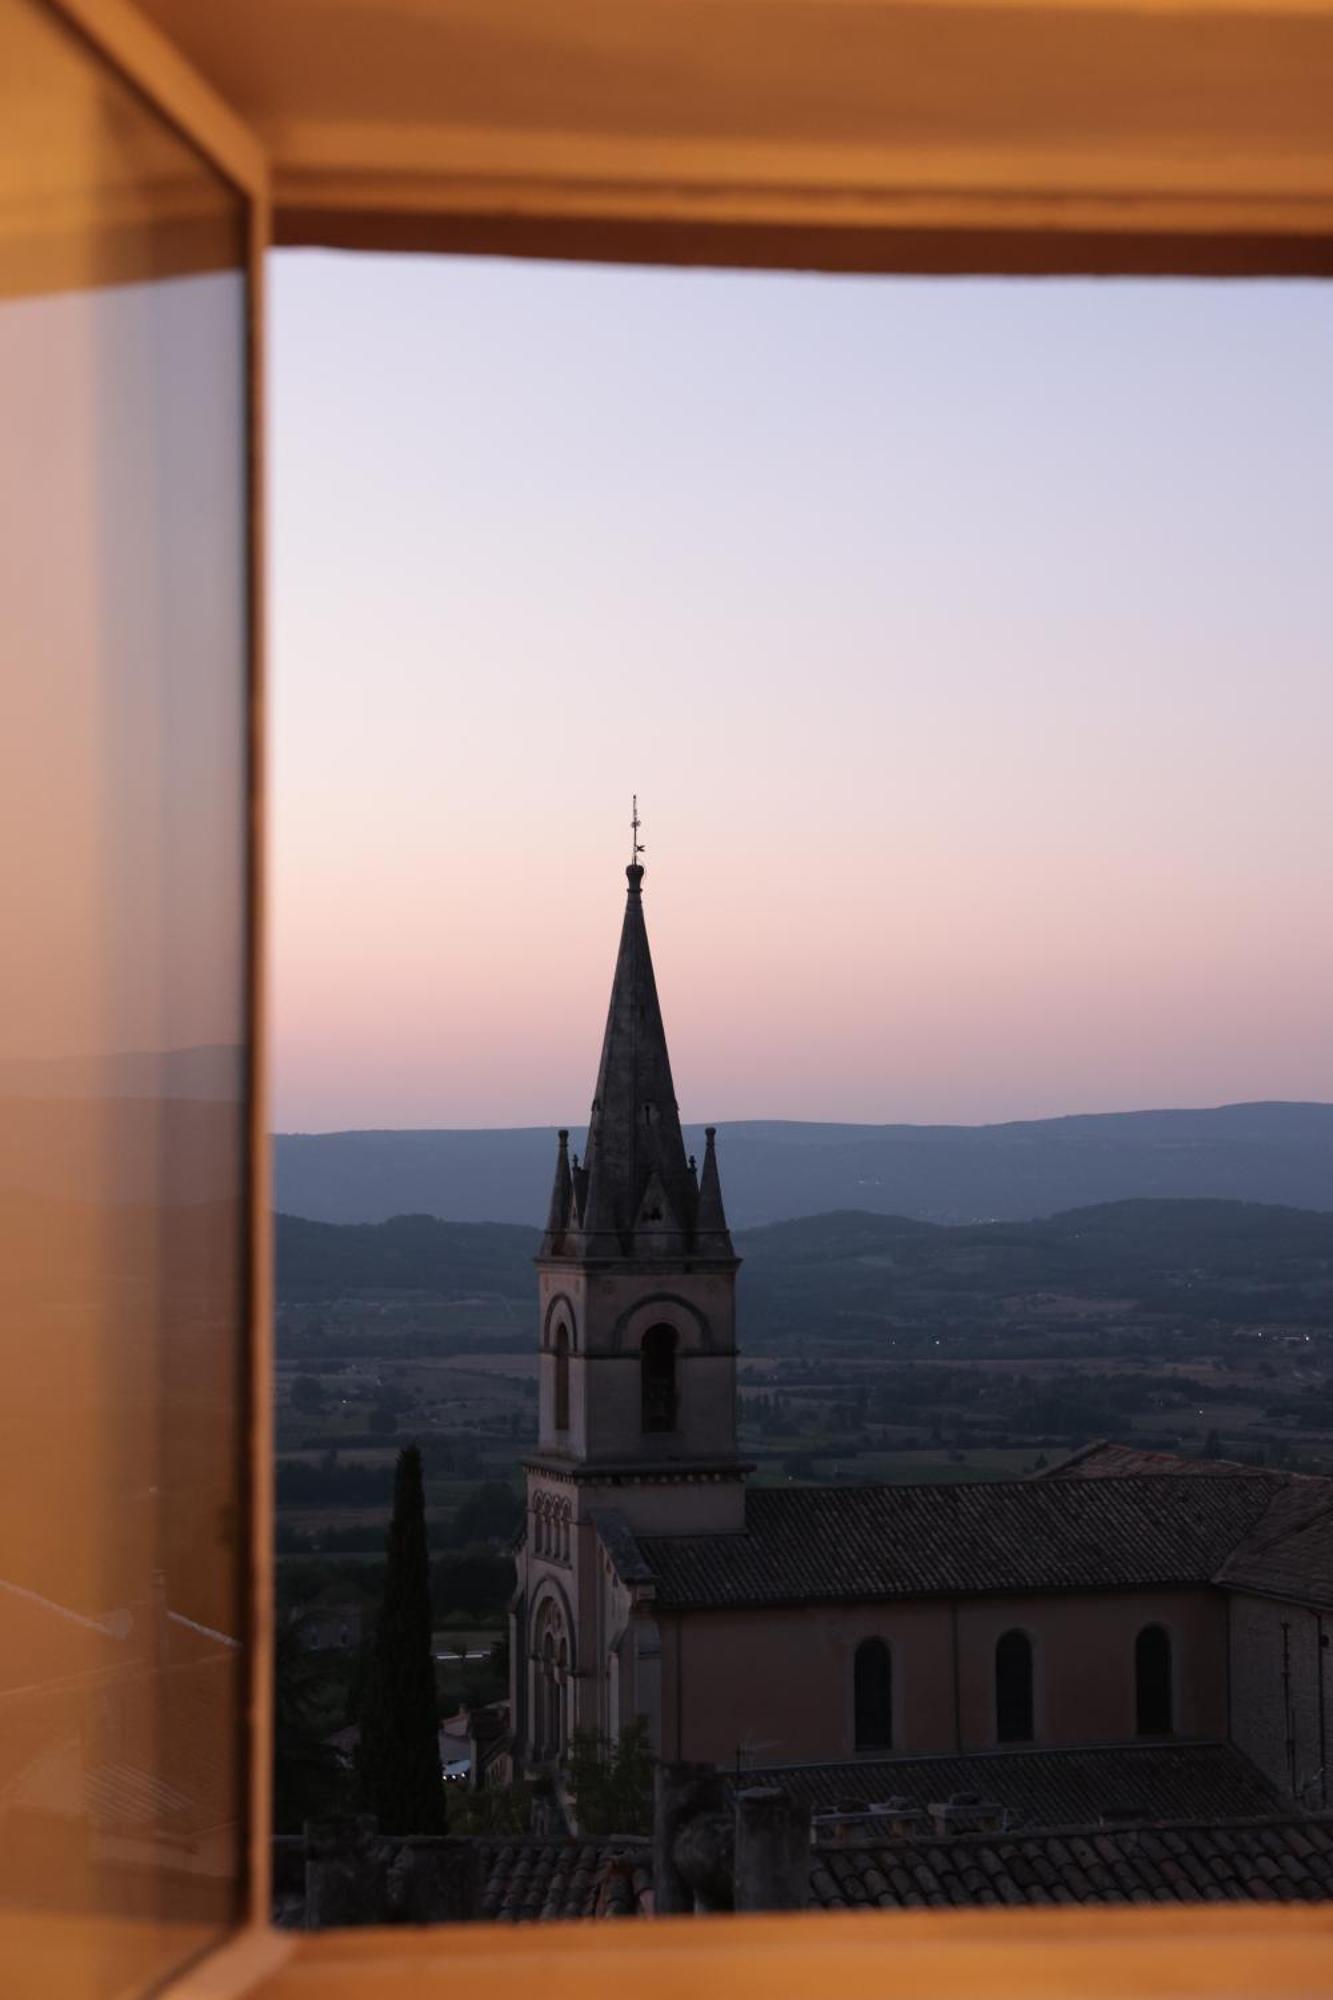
(1150,1954)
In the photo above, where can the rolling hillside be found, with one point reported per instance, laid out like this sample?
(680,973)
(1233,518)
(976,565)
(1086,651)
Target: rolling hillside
(855,1277)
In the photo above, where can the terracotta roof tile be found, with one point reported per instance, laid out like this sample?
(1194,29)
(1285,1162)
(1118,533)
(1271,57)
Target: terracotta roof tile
(1283,1859)
(1265,1865)
(1289,1553)
(526,1879)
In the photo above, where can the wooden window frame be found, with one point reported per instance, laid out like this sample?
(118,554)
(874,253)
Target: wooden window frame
(1272,1950)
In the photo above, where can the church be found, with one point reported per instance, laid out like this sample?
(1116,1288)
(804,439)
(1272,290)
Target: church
(1111,1602)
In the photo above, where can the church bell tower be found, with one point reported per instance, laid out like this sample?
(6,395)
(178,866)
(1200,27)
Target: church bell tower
(637,1334)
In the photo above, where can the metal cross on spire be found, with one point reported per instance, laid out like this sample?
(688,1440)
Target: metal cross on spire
(636,845)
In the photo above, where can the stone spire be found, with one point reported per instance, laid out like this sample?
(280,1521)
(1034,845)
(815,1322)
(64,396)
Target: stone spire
(641,1196)
(635,1195)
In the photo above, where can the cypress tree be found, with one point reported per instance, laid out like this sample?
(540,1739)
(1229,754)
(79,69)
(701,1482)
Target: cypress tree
(398,1762)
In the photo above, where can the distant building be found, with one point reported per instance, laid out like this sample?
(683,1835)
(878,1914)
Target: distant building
(1109,1602)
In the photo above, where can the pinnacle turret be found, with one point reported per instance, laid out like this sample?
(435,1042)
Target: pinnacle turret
(711,1236)
(562,1202)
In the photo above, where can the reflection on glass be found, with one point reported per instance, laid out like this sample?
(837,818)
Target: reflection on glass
(122,1021)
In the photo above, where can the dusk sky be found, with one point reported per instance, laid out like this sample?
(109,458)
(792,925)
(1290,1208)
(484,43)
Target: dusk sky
(969,645)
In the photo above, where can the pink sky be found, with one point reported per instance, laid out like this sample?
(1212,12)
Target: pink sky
(968,646)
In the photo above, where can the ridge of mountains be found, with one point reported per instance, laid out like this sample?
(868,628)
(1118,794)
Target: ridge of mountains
(188,1103)
(773,1170)
(852,1274)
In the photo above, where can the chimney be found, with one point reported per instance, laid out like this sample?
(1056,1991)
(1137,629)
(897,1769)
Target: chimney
(346,1872)
(683,1794)
(842,1825)
(772,1850)
(896,1818)
(968,1812)
(853,1823)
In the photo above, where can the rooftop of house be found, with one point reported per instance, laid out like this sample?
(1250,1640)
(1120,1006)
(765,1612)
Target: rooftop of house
(529,1880)
(1281,1858)
(1252,1861)
(811,1545)
(1048,1789)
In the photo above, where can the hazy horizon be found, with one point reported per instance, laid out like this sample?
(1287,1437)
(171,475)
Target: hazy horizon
(966,644)
(579,1123)
(95,1075)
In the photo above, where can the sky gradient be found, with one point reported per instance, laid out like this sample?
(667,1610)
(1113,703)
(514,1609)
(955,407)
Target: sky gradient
(969,646)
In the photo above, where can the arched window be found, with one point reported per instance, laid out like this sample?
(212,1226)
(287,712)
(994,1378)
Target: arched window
(1013,1688)
(1152,1682)
(657,1378)
(552,1682)
(872,1680)
(564,1531)
(562,1378)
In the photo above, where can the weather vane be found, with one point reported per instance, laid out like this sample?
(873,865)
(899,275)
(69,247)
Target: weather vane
(636,845)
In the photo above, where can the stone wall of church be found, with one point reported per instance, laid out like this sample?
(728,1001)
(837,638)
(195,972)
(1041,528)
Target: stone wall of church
(1282,1693)
(613,1432)
(1083,1653)
(686,1505)
(778,1684)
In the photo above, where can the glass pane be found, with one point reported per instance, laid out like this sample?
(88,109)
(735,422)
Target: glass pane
(123,589)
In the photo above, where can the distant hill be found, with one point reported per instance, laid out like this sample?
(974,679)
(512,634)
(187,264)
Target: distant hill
(417,1253)
(1213,1262)
(1274,1153)
(849,1274)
